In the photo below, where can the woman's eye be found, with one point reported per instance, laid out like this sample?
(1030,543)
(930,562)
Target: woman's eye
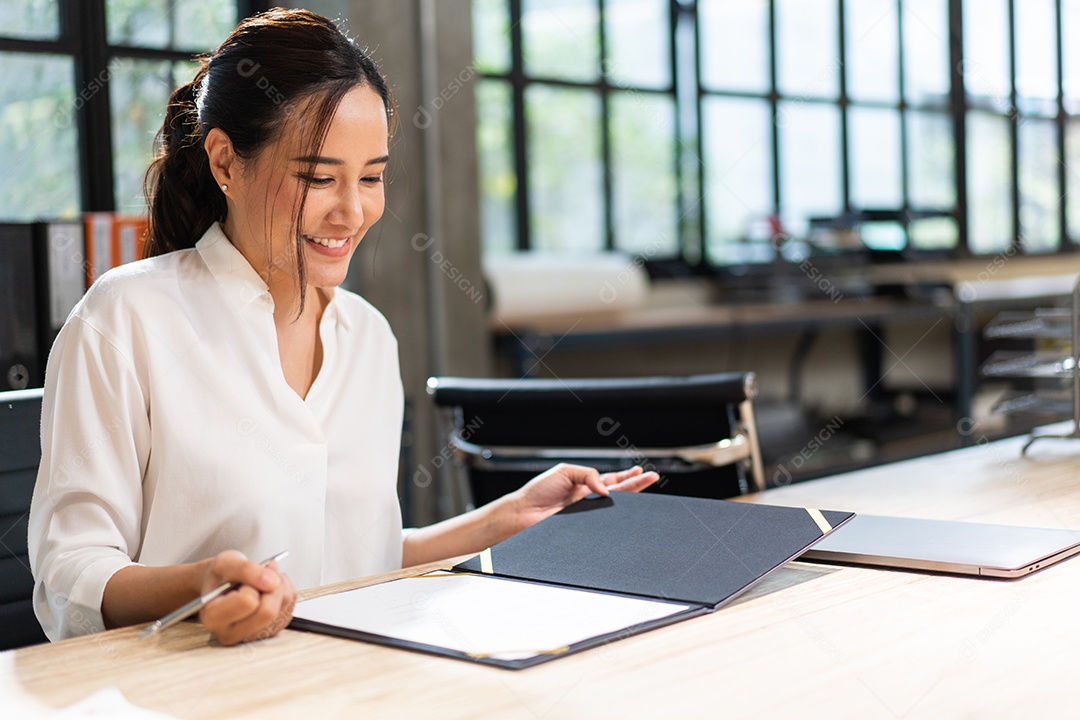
(316,181)
(372,179)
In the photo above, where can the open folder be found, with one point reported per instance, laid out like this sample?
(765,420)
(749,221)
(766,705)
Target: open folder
(598,571)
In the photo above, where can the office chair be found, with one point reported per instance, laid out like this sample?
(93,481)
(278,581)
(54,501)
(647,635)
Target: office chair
(697,432)
(20,453)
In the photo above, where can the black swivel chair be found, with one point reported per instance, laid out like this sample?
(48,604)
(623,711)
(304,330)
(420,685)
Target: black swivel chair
(20,454)
(698,432)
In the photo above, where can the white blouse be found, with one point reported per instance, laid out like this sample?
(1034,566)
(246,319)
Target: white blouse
(170,434)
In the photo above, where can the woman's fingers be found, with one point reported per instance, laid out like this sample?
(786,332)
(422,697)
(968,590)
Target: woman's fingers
(233,566)
(245,615)
(632,479)
(226,610)
(595,482)
(259,608)
(636,483)
(613,478)
(275,616)
(573,478)
(259,624)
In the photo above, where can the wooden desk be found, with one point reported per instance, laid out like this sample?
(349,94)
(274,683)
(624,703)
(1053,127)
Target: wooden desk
(810,641)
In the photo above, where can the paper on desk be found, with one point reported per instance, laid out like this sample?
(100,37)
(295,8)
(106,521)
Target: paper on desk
(483,616)
(107,703)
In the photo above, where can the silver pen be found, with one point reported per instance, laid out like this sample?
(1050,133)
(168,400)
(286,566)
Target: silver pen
(198,603)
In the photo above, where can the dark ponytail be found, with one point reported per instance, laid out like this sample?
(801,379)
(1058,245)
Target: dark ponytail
(266,70)
(185,199)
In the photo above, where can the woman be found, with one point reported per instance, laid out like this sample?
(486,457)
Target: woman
(223,400)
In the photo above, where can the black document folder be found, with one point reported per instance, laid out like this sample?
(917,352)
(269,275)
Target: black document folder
(21,363)
(694,554)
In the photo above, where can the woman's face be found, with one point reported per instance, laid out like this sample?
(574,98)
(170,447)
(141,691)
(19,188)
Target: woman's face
(345,194)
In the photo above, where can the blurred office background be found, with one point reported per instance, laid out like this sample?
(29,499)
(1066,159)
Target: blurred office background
(836,194)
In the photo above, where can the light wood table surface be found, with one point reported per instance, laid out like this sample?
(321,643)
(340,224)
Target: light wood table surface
(810,641)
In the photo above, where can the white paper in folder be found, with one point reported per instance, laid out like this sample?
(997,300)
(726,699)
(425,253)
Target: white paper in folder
(529,285)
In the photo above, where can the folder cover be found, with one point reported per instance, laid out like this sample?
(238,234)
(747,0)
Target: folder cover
(692,550)
(695,553)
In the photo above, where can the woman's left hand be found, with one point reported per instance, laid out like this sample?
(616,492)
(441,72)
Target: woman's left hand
(565,484)
(544,495)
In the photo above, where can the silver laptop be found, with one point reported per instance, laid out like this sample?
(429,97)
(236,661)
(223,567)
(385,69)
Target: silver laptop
(1003,551)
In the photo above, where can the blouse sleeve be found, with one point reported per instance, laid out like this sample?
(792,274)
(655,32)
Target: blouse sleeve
(85,516)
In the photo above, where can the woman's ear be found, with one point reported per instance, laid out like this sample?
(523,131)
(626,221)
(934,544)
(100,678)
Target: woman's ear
(223,160)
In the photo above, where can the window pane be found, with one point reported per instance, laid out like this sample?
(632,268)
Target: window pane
(638,43)
(930,157)
(934,234)
(184,72)
(138,93)
(180,24)
(874,151)
(142,23)
(202,25)
(561,39)
(735,44)
(566,197)
(1040,198)
(39,168)
(1036,56)
(498,179)
(643,173)
(1072,165)
(883,235)
(807,47)
(986,52)
(737,138)
(1070,28)
(491,35)
(873,50)
(989,163)
(30,19)
(926,51)
(810,173)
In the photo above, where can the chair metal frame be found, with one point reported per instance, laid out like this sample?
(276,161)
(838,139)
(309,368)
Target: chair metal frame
(742,447)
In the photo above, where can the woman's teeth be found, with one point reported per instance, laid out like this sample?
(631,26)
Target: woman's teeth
(326,242)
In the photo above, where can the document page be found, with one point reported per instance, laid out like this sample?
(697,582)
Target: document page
(483,616)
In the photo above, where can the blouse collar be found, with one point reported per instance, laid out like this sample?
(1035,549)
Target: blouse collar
(242,284)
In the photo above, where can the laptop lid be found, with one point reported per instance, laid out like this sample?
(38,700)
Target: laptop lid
(945,546)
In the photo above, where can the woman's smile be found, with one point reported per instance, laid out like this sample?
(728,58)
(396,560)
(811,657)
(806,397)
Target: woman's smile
(330,247)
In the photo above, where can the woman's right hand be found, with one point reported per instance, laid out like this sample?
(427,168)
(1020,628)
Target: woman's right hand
(260,608)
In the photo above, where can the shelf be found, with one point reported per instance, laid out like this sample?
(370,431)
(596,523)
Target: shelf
(1015,364)
(1053,369)
(1044,323)
(1056,403)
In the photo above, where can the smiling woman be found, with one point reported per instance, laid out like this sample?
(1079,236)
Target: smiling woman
(340,191)
(223,398)
(290,72)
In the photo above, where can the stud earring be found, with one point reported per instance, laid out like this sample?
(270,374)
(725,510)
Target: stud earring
(224,187)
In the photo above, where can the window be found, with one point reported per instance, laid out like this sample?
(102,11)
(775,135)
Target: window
(84,92)
(702,129)
(38,137)
(577,125)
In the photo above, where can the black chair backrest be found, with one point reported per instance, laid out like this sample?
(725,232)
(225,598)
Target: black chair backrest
(20,454)
(625,413)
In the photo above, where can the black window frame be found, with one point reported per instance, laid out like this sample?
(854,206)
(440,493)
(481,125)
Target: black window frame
(520,81)
(966,103)
(83,36)
(691,174)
